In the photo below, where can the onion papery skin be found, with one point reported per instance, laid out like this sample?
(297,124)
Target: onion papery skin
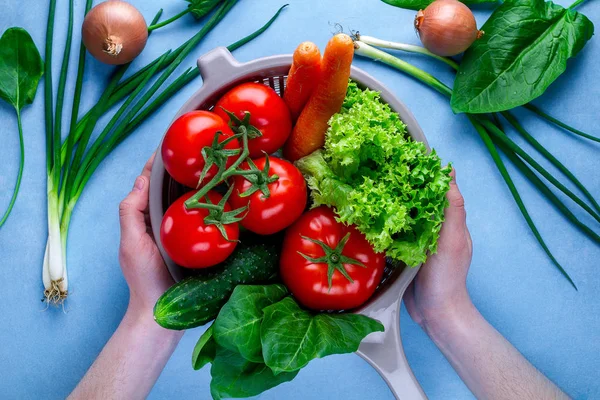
(447,27)
(114,32)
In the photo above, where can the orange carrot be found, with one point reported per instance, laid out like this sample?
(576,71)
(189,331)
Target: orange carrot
(327,99)
(303,77)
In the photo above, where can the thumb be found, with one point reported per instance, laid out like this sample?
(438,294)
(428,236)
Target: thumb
(455,214)
(131,211)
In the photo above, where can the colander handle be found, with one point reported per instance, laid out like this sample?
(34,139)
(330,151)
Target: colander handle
(217,67)
(390,362)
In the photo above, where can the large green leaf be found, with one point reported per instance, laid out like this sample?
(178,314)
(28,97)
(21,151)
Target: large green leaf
(20,68)
(525,47)
(205,349)
(421,4)
(237,327)
(292,337)
(235,377)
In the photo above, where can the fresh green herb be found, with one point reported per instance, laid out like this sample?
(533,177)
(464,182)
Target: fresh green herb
(420,4)
(205,350)
(21,68)
(292,337)
(378,179)
(235,377)
(237,327)
(525,48)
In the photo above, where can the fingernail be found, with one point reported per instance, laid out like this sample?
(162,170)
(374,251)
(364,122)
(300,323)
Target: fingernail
(139,183)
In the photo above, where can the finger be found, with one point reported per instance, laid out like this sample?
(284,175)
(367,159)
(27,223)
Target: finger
(148,167)
(131,211)
(455,213)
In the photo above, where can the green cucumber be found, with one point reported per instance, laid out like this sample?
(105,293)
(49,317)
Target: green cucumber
(196,300)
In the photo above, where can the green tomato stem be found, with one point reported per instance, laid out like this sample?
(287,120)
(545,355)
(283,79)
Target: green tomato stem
(20,173)
(153,27)
(220,176)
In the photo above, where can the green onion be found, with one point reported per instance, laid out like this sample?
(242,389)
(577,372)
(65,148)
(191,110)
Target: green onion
(484,127)
(561,124)
(538,146)
(78,168)
(515,193)
(533,178)
(500,135)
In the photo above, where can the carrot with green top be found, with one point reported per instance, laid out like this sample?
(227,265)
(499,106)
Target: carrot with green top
(326,100)
(303,77)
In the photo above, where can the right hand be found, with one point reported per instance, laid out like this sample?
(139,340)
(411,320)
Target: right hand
(141,262)
(439,289)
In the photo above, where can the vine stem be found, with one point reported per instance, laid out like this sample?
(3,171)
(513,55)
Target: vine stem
(221,175)
(20,175)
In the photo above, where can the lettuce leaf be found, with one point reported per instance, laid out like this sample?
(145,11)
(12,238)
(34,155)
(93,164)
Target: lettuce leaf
(379,179)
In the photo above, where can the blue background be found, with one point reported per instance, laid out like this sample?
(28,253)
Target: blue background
(43,354)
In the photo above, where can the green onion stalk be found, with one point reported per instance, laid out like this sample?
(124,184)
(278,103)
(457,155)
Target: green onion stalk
(71,164)
(491,132)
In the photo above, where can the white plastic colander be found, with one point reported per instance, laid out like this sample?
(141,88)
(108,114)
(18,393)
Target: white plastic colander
(221,72)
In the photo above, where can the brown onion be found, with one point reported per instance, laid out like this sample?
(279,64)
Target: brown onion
(447,27)
(114,32)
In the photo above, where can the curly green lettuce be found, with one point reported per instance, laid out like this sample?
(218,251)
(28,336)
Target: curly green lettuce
(379,179)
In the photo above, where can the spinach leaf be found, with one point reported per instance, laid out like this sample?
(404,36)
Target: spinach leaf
(20,72)
(205,349)
(20,68)
(291,337)
(234,377)
(237,327)
(421,4)
(525,47)
(199,8)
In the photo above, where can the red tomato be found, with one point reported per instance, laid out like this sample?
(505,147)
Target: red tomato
(285,204)
(308,280)
(182,146)
(268,113)
(189,241)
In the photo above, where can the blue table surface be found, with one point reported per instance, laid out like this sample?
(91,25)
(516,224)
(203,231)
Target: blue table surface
(44,353)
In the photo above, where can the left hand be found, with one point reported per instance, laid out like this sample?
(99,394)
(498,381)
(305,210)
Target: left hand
(143,267)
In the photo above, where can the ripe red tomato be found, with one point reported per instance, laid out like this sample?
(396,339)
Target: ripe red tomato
(182,146)
(285,204)
(189,241)
(268,113)
(308,280)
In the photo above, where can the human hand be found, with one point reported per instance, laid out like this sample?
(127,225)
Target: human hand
(439,289)
(143,267)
